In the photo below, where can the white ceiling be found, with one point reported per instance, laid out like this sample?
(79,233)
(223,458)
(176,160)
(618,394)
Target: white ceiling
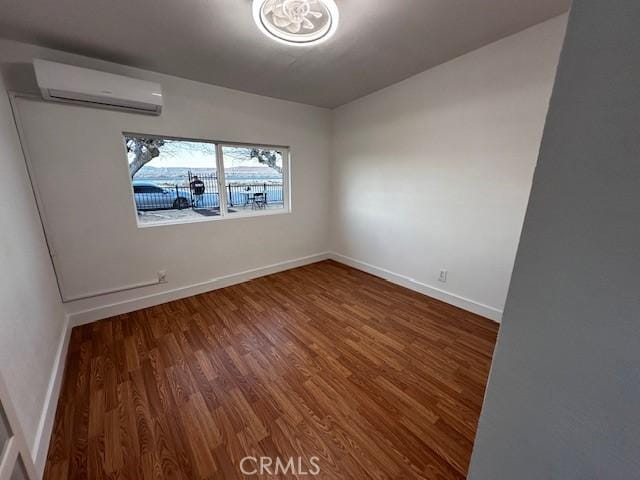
(378,43)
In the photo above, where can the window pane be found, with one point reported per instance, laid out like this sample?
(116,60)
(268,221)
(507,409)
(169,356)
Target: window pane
(254,179)
(5,431)
(173,180)
(19,472)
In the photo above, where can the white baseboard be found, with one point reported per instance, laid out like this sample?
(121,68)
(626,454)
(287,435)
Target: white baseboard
(478,308)
(126,306)
(43,436)
(45,426)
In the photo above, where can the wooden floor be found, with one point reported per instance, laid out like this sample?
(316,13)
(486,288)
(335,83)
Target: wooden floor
(324,361)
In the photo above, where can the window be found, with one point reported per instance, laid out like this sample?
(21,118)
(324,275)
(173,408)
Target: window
(253,178)
(5,431)
(178,180)
(19,471)
(146,189)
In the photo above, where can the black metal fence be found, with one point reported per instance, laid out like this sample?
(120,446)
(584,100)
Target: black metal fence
(149,196)
(200,191)
(243,195)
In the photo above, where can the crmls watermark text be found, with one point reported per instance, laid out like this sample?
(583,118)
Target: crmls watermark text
(278,466)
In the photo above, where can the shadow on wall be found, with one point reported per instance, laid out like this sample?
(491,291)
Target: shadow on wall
(19,77)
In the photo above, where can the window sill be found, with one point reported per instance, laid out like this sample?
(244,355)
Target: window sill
(234,216)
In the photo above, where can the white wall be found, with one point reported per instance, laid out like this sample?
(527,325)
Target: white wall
(434,172)
(564,390)
(81,172)
(431,173)
(31,313)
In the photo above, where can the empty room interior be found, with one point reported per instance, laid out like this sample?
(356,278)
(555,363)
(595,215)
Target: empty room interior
(343,239)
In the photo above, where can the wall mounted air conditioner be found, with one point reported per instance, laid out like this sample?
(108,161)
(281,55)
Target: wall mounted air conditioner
(67,83)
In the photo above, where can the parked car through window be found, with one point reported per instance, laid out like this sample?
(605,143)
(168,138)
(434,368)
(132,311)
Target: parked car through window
(149,196)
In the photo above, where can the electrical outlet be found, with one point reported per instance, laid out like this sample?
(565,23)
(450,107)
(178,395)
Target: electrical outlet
(443,276)
(162,276)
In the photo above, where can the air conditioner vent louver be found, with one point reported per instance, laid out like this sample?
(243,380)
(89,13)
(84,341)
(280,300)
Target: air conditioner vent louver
(67,83)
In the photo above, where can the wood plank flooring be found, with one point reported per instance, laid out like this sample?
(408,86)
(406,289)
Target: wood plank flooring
(324,361)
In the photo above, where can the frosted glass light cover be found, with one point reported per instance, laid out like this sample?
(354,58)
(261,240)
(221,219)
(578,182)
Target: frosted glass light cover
(296,22)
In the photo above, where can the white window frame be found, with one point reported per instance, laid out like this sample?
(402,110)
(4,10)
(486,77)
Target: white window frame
(285,151)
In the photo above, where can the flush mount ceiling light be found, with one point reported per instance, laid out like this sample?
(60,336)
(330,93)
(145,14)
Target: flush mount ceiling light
(296,22)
